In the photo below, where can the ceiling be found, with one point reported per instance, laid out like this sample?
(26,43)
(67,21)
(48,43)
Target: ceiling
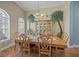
(31,5)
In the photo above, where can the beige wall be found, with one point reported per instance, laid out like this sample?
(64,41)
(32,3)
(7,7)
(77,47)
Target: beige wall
(15,13)
(50,10)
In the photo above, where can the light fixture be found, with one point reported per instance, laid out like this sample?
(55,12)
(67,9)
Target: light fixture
(41,15)
(37,14)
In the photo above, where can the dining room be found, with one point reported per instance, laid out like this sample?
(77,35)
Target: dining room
(35,29)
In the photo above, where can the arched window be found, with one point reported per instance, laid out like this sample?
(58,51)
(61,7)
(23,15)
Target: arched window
(21,25)
(4,25)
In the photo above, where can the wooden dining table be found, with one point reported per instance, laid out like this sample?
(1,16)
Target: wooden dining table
(55,42)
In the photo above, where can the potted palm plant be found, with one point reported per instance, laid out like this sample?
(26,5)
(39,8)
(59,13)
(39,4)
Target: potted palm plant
(31,19)
(57,16)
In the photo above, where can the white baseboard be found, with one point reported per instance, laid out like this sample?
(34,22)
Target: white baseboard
(74,46)
(6,47)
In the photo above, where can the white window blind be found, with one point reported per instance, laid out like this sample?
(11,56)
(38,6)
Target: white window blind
(4,25)
(21,25)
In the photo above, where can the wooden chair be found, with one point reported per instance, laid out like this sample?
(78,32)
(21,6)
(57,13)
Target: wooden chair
(44,46)
(60,50)
(25,45)
(15,37)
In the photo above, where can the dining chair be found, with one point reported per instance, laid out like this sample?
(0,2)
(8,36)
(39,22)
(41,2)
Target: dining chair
(60,50)
(15,37)
(25,44)
(44,46)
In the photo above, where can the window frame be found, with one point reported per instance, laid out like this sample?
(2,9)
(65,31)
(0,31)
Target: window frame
(8,18)
(21,23)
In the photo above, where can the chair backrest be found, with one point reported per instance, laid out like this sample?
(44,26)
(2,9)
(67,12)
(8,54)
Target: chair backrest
(25,44)
(65,37)
(22,37)
(15,35)
(45,42)
(25,40)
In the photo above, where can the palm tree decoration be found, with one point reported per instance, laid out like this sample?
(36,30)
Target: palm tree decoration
(57,16)
(31,19)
